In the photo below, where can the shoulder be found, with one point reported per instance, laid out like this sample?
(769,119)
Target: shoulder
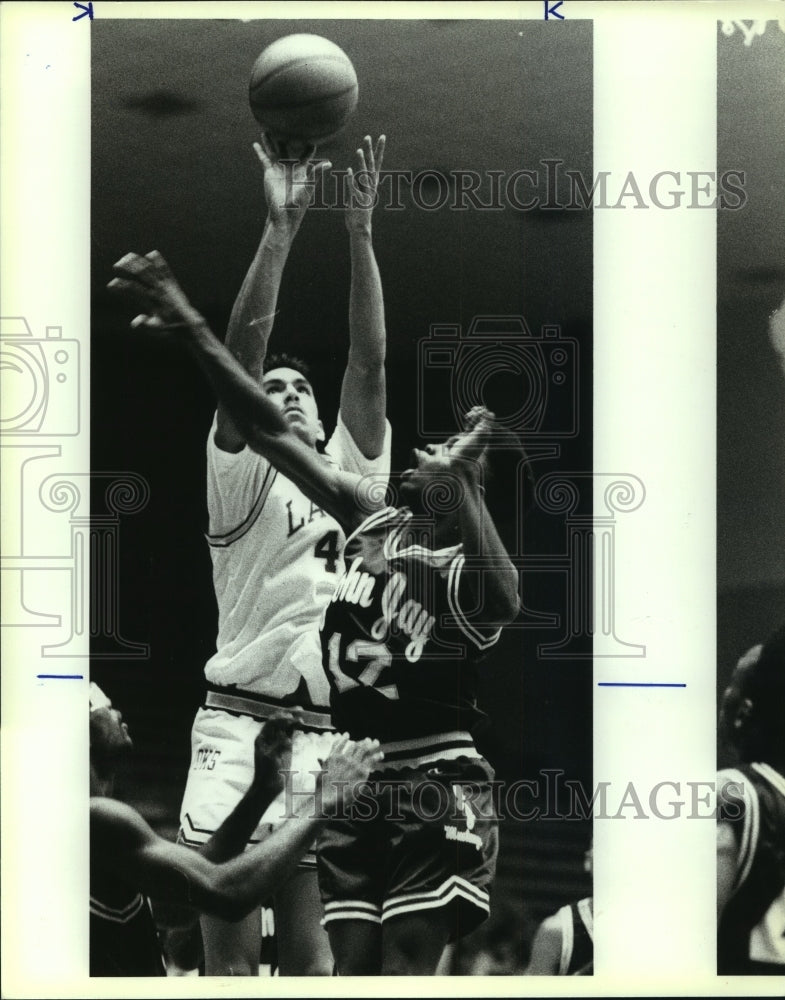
(551,927)
(344,450)
(118,822)
(547,946)
(735,789)
(386,522)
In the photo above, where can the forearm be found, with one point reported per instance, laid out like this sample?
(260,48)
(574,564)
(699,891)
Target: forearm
(244,882)
(236,389)
(266,431)
(251,320)
(363,393)
(232,836)
(485,553)
(367,337)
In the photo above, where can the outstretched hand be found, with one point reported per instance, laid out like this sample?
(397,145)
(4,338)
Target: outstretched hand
(346,768)
(470,445)
(273,749)
(363,184)
(289,183)
(148,281)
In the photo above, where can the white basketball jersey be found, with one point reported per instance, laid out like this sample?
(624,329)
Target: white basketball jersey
(276,559)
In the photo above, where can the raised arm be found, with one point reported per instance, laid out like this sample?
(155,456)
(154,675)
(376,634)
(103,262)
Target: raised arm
(149,280)
(497,578)
(122,840)
(363,391)
(288,190)
(272,756)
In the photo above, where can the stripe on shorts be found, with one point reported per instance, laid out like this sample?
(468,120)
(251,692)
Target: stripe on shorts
(427,750)
(453,888)
(200,837)
(351,909)
(245,703)
(196,836)
(117,914)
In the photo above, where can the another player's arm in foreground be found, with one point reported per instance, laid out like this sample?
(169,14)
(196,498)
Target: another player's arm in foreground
(363,390)
(149,280)
(231,889)
(496,576)
(732,818)
(272,756)
(546,948)
(288,189)
(727,864)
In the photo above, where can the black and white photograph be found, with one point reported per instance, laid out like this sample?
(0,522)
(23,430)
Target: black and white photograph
(751,505)
(393,479)
(418,285)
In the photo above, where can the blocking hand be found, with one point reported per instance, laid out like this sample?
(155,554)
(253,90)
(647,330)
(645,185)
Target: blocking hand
(346,768)
(363,184)
(273,749)
(478,428)
(148,281)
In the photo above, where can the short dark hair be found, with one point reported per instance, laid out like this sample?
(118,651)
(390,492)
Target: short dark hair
(283,360)
(763,682)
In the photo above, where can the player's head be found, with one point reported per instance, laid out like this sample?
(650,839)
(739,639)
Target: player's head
(588,859)
(504,474)
(753,705)
(286,381)
(109,737)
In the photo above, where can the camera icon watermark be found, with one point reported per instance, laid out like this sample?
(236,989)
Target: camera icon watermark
(40,381)
(530,381)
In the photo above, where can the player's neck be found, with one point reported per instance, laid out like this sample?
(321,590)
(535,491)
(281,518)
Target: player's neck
(447,532)
(102,785)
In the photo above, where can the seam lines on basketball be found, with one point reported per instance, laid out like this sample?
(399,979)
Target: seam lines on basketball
(317,99)
(327,57)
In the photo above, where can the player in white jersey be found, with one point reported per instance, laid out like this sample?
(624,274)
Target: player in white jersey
(403,939)
(275,554)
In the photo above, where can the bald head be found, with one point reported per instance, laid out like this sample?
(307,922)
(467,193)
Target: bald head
(752,715)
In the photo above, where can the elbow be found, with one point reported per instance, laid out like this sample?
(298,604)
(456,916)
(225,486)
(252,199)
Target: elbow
(231,901)
(505,603)
(505,610)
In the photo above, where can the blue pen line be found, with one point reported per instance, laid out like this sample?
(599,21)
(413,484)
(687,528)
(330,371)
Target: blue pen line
(60,677)
(638,684)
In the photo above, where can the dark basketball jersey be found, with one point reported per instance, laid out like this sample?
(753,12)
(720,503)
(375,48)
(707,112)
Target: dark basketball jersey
(398,645)
(577,949)
(751,933)
(123,937)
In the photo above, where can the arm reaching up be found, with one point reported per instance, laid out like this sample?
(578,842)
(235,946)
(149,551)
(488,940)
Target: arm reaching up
(288,191)
(482,546)
(167,309)
(363,391)
(123,843)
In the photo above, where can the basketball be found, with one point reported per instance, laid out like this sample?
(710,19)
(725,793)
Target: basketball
(303,87)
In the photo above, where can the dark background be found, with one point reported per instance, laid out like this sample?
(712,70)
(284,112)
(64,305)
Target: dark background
(173,170)
(750,374)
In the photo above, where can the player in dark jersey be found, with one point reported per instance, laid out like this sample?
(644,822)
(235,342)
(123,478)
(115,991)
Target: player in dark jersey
(751,817)
(426,590)
(129,862)
(564,942)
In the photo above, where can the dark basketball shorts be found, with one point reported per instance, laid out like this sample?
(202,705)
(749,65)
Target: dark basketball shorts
(418,841)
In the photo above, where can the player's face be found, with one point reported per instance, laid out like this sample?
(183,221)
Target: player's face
(429,464)
(733,706)
(108,733)
(292,394)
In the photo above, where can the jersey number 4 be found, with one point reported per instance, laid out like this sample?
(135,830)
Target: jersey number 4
(327,548)
(371,659)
